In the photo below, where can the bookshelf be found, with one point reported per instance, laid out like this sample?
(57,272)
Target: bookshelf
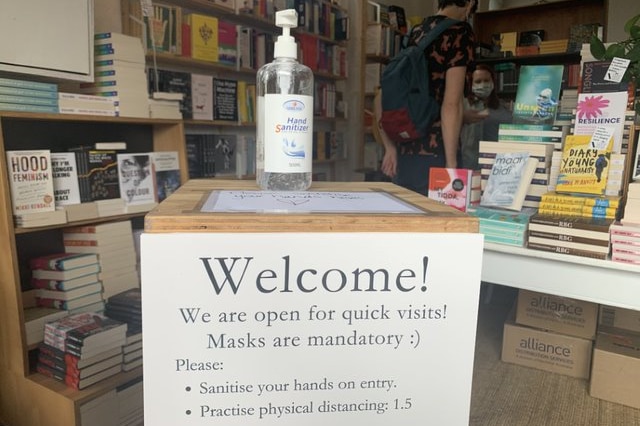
(319,49)
(29,398)
(555,18)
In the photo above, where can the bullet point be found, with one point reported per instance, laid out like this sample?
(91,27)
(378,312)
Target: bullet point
(188,388)
(188,412)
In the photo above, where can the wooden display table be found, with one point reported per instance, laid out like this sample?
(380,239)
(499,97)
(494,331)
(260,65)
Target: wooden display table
(181,212)
(350,303)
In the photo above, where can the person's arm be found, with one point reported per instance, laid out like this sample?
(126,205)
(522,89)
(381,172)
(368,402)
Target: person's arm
(452,113)
(390,158)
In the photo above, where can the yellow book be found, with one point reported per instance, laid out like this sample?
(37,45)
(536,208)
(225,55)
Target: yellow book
(243,111)
(204,37)
(584,168)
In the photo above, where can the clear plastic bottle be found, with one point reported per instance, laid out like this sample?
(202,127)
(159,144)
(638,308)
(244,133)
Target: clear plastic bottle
(284,120)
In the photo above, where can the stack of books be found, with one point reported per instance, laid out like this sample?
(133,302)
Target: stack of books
(625,243)
(631,214)
(533,133)
(35,317)
(554,46)
(578,236)
(113,243)
(67,281)
(582,205)
(165,108)
(543,152)
(84,104)
(127,307)
(81,350)
(119,71)
(502,226)
(28,96)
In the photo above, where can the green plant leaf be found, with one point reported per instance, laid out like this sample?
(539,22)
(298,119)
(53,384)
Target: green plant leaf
(634,54)
(596,47)
(630,23)
(615,50)
(635,31)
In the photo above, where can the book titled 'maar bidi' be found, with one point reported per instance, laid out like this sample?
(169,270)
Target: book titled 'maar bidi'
(509,180)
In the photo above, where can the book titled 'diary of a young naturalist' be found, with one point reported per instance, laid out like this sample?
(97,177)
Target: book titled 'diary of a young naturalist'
(30,181)
(584,166)
(509,181)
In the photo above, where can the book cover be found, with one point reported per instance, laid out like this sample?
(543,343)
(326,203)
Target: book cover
(67,274)
(531,37)
(225,99)
(227,43)
(102,175)
(204,37)
(63,285)
(167,169)
(225,152)
(85,290)
(584,167)
(62,261)
(202,97)
(537,95)
(602,110)
(509,181)
(66,189)
(594,78)
(453,187)
(173,82)
(31,181)
(136,178)
(163,29)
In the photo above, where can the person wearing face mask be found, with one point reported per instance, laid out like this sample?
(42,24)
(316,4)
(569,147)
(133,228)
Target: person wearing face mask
(449,56)
(483,114)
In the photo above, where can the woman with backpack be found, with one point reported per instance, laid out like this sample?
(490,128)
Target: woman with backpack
(449,56)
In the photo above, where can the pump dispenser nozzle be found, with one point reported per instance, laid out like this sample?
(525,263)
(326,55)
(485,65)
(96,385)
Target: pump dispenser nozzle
(285,46)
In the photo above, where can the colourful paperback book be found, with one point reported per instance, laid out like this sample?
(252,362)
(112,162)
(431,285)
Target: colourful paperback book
(602,110)
(453,187)
(167,169)
(31,181)
(584,167)
(538,93)
(65,178)
(136,178)
(509,180)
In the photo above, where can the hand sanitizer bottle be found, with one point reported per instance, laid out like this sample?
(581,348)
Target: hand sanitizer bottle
(284,120)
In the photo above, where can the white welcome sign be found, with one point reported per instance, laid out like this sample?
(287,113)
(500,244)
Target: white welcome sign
(309,328)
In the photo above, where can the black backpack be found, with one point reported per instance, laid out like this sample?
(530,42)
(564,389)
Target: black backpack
(408,108)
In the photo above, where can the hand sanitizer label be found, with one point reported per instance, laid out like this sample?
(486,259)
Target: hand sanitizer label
(288,136)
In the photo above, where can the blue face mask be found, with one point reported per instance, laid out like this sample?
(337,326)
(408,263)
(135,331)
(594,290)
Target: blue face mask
(482,90)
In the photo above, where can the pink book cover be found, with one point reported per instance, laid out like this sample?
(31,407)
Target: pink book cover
(451,186)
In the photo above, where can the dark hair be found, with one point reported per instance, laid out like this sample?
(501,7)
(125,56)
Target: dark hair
(493,101)
(460,3)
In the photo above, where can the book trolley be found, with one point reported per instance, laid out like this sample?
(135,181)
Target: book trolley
(305,315)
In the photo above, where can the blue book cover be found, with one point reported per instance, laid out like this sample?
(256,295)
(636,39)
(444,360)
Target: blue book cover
(538,93)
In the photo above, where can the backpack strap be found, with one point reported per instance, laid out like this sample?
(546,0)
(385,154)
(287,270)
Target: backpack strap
(431,35)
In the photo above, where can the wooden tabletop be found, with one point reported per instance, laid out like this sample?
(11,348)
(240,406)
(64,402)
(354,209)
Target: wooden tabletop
(181,212)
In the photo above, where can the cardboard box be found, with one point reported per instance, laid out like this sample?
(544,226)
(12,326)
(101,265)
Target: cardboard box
(555,313)
(615,374)
(545,350)
(613,316)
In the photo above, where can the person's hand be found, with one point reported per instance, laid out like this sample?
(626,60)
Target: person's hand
(390,161)
(474,116)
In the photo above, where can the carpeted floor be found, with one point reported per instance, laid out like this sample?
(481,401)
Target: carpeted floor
(512,395)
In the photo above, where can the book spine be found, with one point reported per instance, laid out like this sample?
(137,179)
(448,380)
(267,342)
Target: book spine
(600,225)
(26,84)
(27,107)
(50,372)
(569,238)
(19,91)
(29,100)
(566,250)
